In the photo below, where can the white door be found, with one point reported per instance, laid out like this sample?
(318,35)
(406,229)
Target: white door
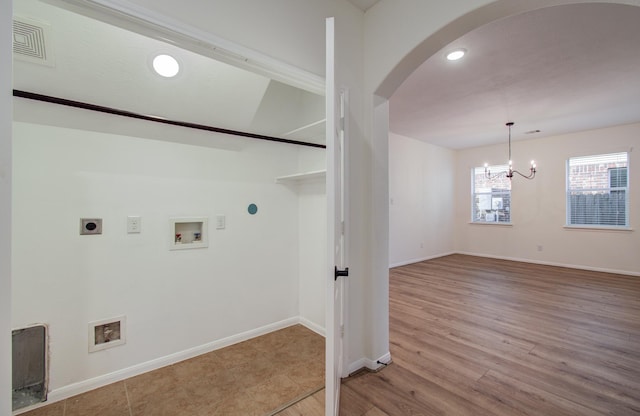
(336,104)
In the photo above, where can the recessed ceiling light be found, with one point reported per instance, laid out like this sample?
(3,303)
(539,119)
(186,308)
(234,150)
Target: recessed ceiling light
(166,66)
(457,54)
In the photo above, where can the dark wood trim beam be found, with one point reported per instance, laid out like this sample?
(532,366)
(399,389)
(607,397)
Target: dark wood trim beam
(124,113)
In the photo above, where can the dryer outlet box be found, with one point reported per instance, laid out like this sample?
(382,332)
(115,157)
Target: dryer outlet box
(89,226)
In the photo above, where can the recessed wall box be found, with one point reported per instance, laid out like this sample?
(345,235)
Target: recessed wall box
(107,333)
(186,233)
(90,226)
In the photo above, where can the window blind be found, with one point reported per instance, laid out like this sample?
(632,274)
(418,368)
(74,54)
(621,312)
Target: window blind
(597,190)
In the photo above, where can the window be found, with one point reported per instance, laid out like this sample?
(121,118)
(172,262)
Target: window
(491,198)
(598,190)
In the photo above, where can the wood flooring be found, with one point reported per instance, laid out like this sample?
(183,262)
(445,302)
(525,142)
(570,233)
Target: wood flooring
(485,337)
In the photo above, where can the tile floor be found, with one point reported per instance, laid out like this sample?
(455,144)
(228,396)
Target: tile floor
(311,406)
(256,377)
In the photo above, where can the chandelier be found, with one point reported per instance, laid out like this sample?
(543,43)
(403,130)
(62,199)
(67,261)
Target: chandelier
(509,174)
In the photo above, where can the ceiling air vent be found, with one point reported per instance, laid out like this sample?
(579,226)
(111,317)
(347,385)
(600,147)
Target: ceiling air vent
(31,41)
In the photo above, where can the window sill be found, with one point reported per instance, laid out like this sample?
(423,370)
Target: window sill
(494,223)
(597,228)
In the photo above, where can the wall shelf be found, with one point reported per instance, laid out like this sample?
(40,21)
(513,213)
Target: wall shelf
(300,178)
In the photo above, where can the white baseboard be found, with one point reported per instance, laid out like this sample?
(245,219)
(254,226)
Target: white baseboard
(418,260)
(523,260)
(550,263)
(100,381)
(312,326)
(368,363)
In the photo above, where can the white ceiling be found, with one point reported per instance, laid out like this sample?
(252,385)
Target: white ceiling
(101,64)
(558,69)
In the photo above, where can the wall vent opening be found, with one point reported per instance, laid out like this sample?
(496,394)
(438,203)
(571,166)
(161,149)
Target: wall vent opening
(30,366)
(31,41)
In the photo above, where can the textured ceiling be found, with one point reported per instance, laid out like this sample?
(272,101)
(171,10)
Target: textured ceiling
(558,69)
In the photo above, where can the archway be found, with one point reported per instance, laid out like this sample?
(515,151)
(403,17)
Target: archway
(460,26)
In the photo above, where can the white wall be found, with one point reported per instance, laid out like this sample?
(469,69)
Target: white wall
(312,245)
(294,32)
(393,32)
(312,225)
(539,205)
(5,206)
(421,200)
(174,301)
(430,193)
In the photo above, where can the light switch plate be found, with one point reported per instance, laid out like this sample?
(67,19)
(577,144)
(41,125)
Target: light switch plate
(134,224)
(221,222)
